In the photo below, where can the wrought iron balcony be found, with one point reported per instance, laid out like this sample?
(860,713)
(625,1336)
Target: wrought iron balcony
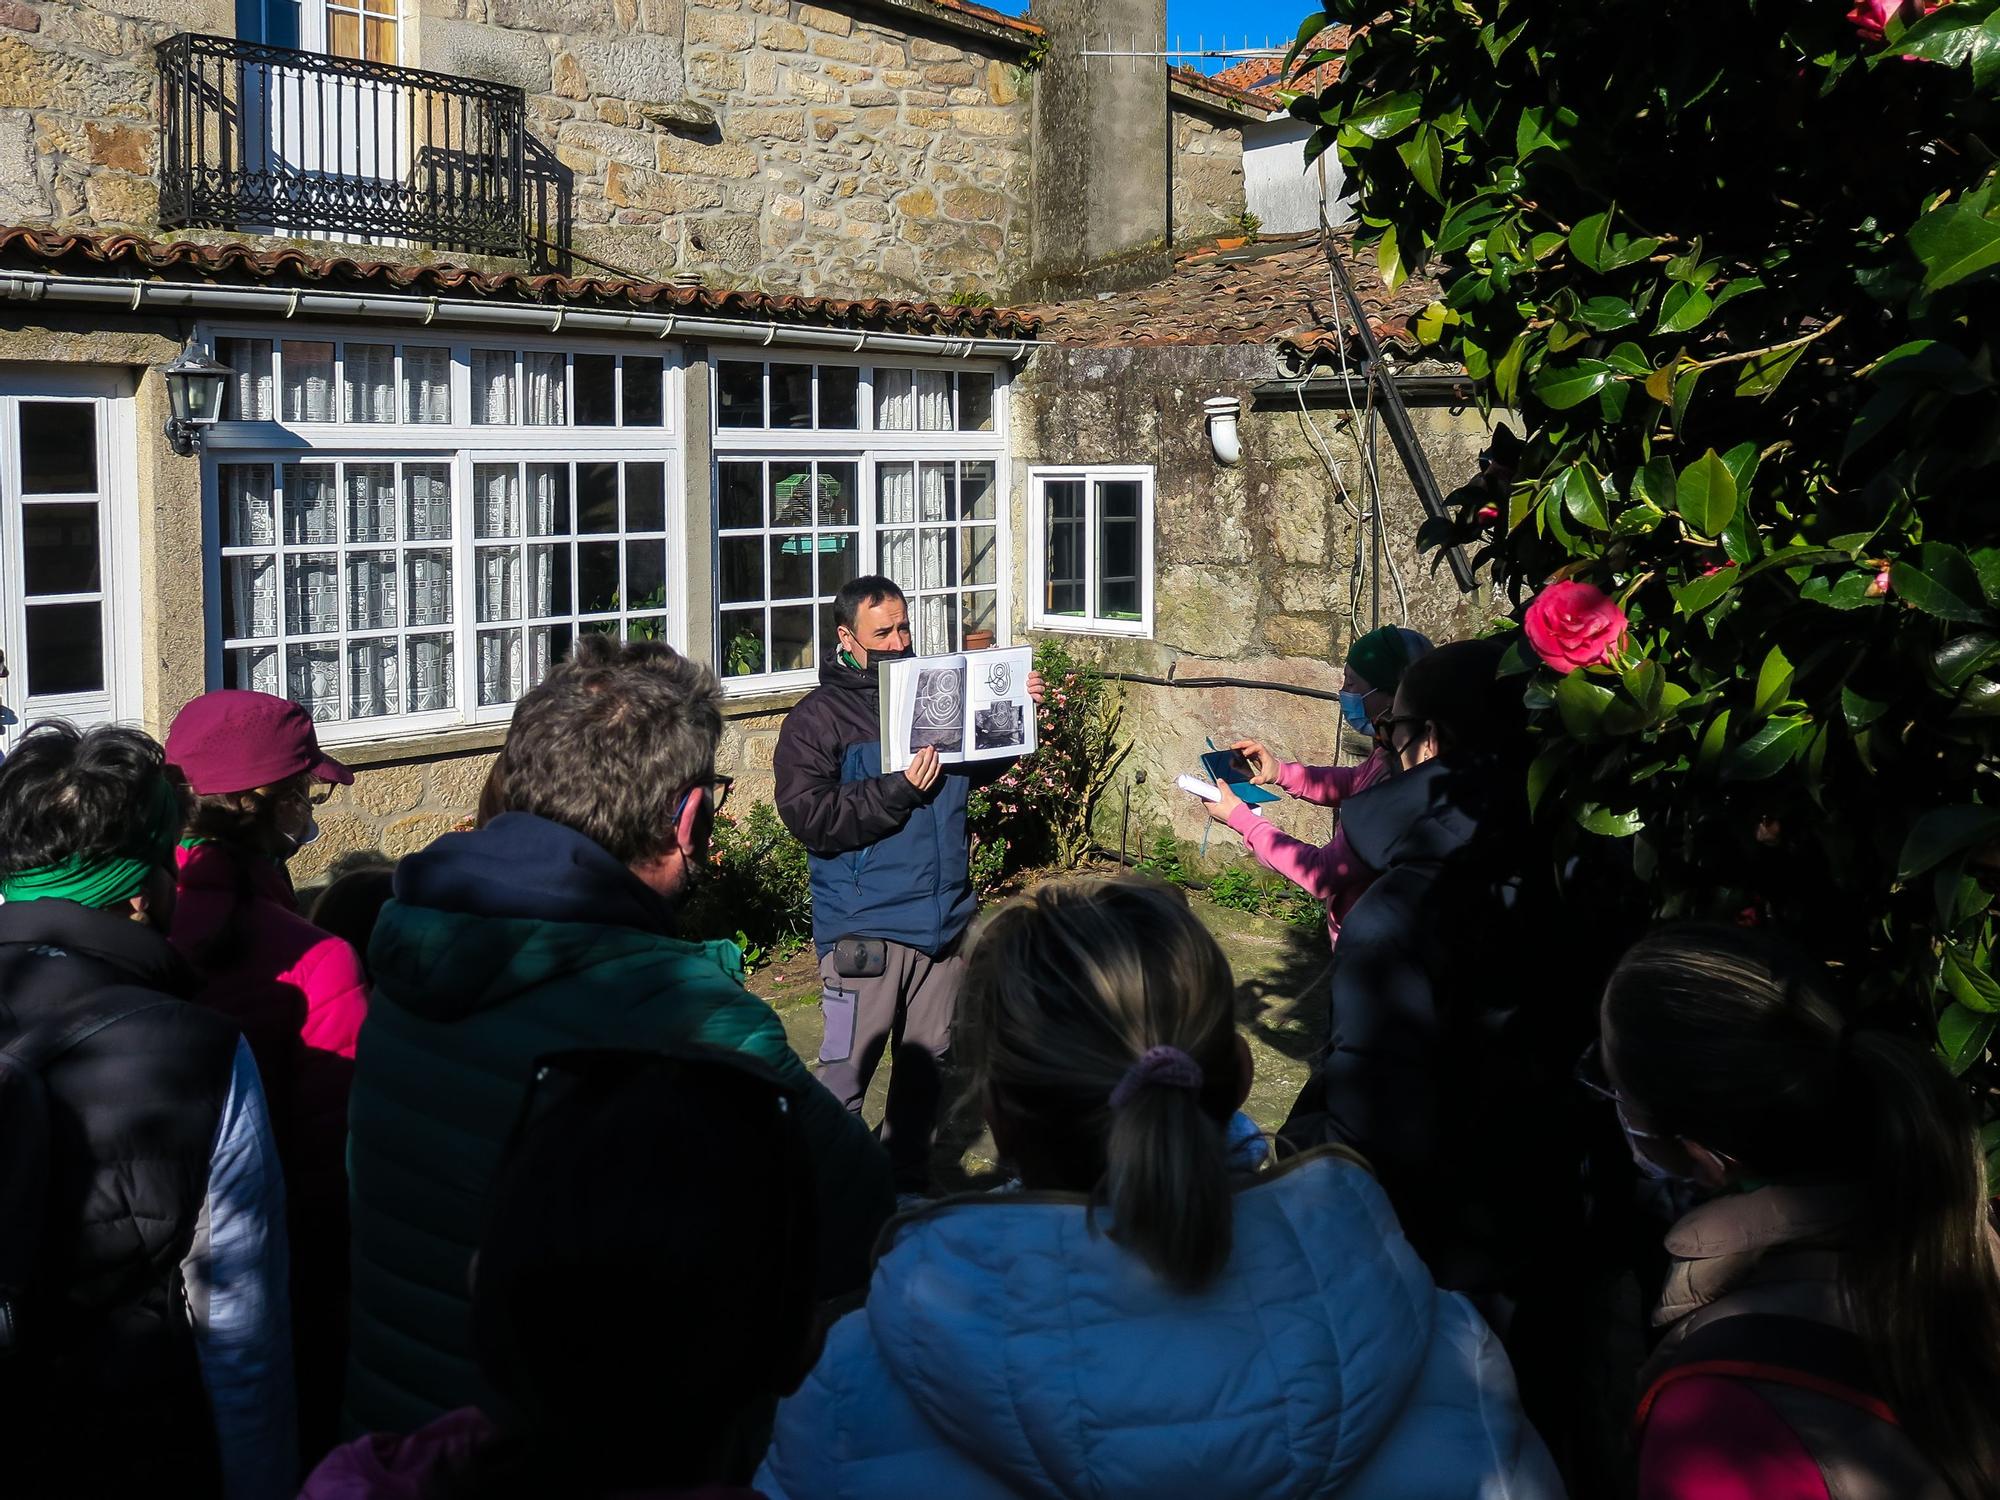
(270,140)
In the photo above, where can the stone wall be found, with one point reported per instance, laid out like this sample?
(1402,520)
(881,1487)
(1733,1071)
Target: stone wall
(1208,175)
(394,808)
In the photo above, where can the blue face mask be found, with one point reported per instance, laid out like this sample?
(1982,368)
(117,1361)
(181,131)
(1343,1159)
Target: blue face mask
(1353,710)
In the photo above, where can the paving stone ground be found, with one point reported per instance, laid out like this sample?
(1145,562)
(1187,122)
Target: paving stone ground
(1281,1006)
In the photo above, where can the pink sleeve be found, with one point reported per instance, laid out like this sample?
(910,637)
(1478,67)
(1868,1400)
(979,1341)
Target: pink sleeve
(1709,1437)
(1321,871)
(336,991)
(1324,786)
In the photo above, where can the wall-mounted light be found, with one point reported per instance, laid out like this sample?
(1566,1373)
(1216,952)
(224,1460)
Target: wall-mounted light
(1222,434)
(194,393)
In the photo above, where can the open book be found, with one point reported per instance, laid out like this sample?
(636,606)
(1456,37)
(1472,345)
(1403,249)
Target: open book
(973,707)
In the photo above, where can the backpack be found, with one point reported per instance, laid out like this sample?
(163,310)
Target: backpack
(1775,1350)
(24,1126)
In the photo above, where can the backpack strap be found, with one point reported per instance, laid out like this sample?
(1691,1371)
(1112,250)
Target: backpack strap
(1775,1350)
(39,1046)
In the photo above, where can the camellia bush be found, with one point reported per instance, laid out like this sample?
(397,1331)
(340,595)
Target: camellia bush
(1735,270)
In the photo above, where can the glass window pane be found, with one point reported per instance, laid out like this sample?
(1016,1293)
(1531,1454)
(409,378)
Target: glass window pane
(597,498)
(427,496)
(433,673)
(246,397)
(895,494)
(742,567)
(791,396)
(840,396)
(493,390)
(975,401)
(312,594)
(895,400)
(596,577)
(499,653)
(792,638)
(312,677)
(548,499)
(498,584)
(253,669)
(548,580)
(1118,549)
(981,614)
(980,562)
(308,391)
(645,399)
(839,492)
(646,628)
(246,505)
(645,574)
(249,597)
(934,401)
(1119,499)
(897,556)
(1062,501)
(739,394)
(426,384)
(978,495)
(58,448)
(742,634)
(937,557)
(936,625)
(344,33)
(373,679)
(429,590)
(542,389)
(371,591)
(596,378)
(792,565)
(936,492)
(837,560)
(645,497)
(739,499)
(548,647)
(59,551)
(368,377)
(791,493)
(496,500)
(309,504)
(65,648)
(371,502)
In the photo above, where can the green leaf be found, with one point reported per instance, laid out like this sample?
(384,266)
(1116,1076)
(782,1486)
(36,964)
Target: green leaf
(1741,286)
(1765,373)
(1433,320)
(1969,984)
(1683,394)
(1951,35)
(1705,494)
(1986,563)
(1583,705)
(1694,597)
(1941,582)
(1657,483)
(1542,771)
(1627,359)
(1713,740)
(1564,386)
(1858,710)
(1583,498)
(1530,134)
(1767,751)
(1607,314)
(1965,656)
(1507,373)
(1424,156)
(1774,681)
(1943,832)
(1617,825)
(1963,1035)
(1953,242)
(1382,118)
(1683,307)
(1389,260)
(1598,248)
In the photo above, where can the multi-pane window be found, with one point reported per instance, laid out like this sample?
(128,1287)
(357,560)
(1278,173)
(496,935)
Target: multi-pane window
(432,577)
(894,470)
(1091,545)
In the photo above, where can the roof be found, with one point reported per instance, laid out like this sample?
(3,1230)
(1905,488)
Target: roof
(1211,89)
(978,20)
(233,263)
(1274,292)
(1265,76)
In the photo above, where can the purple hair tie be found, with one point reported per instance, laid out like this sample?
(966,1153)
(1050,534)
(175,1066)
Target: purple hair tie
(1168,1067)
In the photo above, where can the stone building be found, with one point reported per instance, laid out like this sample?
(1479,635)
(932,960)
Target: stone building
(646,316)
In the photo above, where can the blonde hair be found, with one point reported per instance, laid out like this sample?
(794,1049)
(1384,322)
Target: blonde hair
(1066,988)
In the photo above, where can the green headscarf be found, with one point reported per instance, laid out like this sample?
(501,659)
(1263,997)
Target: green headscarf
(107,879)
(1380,658)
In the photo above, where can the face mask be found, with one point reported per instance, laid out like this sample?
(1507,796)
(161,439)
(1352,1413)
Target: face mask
(1647,1166)
(1353,710)
(310,836)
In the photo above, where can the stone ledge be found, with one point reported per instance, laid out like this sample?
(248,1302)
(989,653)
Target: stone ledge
(420,747)
(1021,37)
(757,705)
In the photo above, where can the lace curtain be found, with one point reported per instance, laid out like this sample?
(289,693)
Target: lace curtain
(247,396)
(499,666)
(309,504)
(545,496)
(896,502)
(431,673)
(934,401)
(427,490)
(542,389)
(369,378)
(895,401)
(308,383)
(312,678)
(427,384)
(255,669)
(493,386)
(246,505)
(371,679)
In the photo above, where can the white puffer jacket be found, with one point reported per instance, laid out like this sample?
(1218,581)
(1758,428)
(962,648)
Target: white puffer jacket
(1008,1350)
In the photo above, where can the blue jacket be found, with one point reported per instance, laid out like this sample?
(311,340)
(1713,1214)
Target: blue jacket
(887,860)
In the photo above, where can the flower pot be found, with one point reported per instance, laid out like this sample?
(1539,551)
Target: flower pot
(978,640)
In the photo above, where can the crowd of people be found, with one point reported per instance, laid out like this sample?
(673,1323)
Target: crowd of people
(481,1181)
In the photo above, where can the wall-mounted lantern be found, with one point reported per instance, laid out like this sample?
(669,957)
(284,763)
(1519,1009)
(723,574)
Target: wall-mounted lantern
(195,381)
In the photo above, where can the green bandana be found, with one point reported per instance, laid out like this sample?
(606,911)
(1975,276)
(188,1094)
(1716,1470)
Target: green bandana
(1379,657)
(106,879)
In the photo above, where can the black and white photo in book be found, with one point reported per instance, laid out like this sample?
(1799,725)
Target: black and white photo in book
(938,719)
(970,707)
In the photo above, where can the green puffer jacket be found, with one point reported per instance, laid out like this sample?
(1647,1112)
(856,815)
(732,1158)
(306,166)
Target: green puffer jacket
(502,945)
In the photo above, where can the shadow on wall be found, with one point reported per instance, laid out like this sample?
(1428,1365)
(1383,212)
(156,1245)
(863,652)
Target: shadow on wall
(549,209)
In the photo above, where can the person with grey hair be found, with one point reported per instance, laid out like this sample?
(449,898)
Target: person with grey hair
(550,927)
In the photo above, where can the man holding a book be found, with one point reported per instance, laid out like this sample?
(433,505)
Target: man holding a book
(873,769)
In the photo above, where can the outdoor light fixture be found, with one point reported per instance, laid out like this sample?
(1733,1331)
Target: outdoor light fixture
(1222,434)
(194,391)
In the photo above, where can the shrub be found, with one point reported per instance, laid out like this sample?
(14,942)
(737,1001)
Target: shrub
(1040,811)
(757,890)
(1738,278)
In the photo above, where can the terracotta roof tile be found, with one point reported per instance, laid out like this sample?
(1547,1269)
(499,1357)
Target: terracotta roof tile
(1275,292)
(1264,76)
(1211,83)
(232,262)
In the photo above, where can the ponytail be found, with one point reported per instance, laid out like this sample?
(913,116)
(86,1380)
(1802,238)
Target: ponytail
(1098,1017)
(1920,1277)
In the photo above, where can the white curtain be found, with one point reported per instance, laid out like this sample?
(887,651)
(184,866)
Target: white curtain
(309,504)
(313,679)
(253,587)
(934,547)
(542,392)
(369,374)
(371,679)
(545,564)
(895,401)
(493,386)
(934,400)
(430,588)
(431,669)
(247,397)
(427,489)
(499,666)
(935,489)
(896,502)
(547,485)
(427,384)
(255,669)
(308,383)
(371,502)
(541,654)
(934,625)
(312,594)
(371,591)
(246,504)
(496,500)
(499,583)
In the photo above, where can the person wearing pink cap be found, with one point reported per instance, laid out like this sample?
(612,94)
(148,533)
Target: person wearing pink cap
(255,771)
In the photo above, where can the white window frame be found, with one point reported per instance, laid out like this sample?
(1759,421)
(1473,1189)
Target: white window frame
(867,447)
(1090,622)
(119,700)
(464,445)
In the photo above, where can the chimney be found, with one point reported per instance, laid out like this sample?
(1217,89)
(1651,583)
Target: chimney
(1100,149)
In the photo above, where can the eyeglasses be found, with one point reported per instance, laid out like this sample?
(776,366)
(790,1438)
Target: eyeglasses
(718,787)
(1590,1073)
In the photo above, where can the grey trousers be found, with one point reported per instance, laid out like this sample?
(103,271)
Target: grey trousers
(909,1005)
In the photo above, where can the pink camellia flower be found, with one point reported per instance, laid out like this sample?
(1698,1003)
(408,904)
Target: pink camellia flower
(1573,625)
(1880,586)
(1870,18)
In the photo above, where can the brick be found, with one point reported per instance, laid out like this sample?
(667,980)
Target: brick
(990,122)
(119,148)
(635,187)
(1003,82)
(925,50)
(701,159)
(567,78)
(844,50)
(770,124)
(950,75)
(115,198)
(782,36)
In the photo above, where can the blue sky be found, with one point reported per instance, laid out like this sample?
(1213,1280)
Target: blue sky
(1277,19)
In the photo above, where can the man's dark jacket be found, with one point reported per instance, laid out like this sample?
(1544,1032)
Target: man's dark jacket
(887,860)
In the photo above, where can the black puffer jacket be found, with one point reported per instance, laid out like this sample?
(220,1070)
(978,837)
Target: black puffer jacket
(108,1398)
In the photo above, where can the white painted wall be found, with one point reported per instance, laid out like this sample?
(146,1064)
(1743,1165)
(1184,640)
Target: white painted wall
(1280,188)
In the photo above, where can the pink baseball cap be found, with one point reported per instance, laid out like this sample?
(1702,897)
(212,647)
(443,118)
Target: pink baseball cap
(235,741)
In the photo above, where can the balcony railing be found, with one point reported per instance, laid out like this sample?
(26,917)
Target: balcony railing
(270,140)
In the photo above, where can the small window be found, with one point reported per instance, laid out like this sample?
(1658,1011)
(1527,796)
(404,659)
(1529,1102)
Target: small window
(839,396)
(788,537)
(1091,535)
